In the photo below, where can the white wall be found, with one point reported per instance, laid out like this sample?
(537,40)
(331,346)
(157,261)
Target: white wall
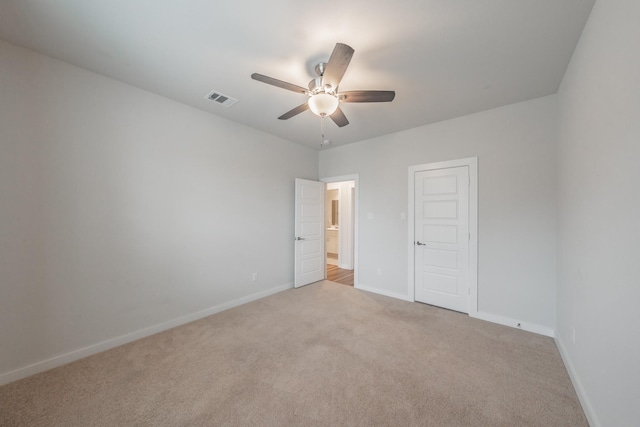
(599,214)
(122,210)
(515,146)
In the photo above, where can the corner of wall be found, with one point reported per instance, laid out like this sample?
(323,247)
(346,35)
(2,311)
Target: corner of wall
(577,384)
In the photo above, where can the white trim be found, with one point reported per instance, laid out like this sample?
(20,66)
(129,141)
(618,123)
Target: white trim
(385,293)
(72,356)
(355,178)
(507,321)
(577,385)
(472,164)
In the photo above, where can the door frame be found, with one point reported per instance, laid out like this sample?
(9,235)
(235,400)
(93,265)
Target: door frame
(472,164)
(355,178)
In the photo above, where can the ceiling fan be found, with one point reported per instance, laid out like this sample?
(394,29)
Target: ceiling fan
(324,98)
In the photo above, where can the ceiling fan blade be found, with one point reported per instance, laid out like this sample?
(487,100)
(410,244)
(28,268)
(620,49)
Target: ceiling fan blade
(367,96)
(339,118)
(299,109)
(337,65)
(278,83)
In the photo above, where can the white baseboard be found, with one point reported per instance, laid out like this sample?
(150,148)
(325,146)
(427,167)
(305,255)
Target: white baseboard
(506,321)
(382,292)
(494,318)
(577,384)
(72,356)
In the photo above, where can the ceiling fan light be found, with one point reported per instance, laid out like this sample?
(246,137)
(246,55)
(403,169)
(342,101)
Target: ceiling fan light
(323,104)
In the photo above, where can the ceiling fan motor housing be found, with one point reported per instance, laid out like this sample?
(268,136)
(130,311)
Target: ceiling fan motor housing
(315,85)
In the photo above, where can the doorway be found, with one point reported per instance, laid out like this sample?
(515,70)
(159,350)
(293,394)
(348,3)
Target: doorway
(443,224)
(341,229)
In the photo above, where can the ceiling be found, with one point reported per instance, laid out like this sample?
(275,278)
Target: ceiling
(444,58)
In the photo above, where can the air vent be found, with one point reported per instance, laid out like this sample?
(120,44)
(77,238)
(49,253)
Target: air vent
(219,98)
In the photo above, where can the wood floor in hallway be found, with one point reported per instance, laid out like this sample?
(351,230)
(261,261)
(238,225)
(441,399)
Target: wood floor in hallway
(339,275)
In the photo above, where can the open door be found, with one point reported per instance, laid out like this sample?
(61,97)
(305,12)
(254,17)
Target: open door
(309,232)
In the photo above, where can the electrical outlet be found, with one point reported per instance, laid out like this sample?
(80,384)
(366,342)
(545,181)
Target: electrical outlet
(254,277)
(380,272)
(403,216)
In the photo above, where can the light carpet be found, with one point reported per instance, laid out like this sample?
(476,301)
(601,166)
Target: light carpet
(322,355)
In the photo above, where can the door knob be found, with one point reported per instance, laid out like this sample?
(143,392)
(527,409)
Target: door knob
(419,243)
(299,238)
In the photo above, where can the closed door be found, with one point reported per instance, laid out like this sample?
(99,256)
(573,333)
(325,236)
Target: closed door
(441,237)
(309,232)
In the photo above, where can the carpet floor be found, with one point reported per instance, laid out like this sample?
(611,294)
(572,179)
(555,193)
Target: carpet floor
(322,355)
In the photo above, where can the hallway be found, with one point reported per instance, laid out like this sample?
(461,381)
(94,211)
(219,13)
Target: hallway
(339,275)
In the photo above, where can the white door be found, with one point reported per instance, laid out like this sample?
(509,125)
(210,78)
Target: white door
(309,232)
(441,237)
